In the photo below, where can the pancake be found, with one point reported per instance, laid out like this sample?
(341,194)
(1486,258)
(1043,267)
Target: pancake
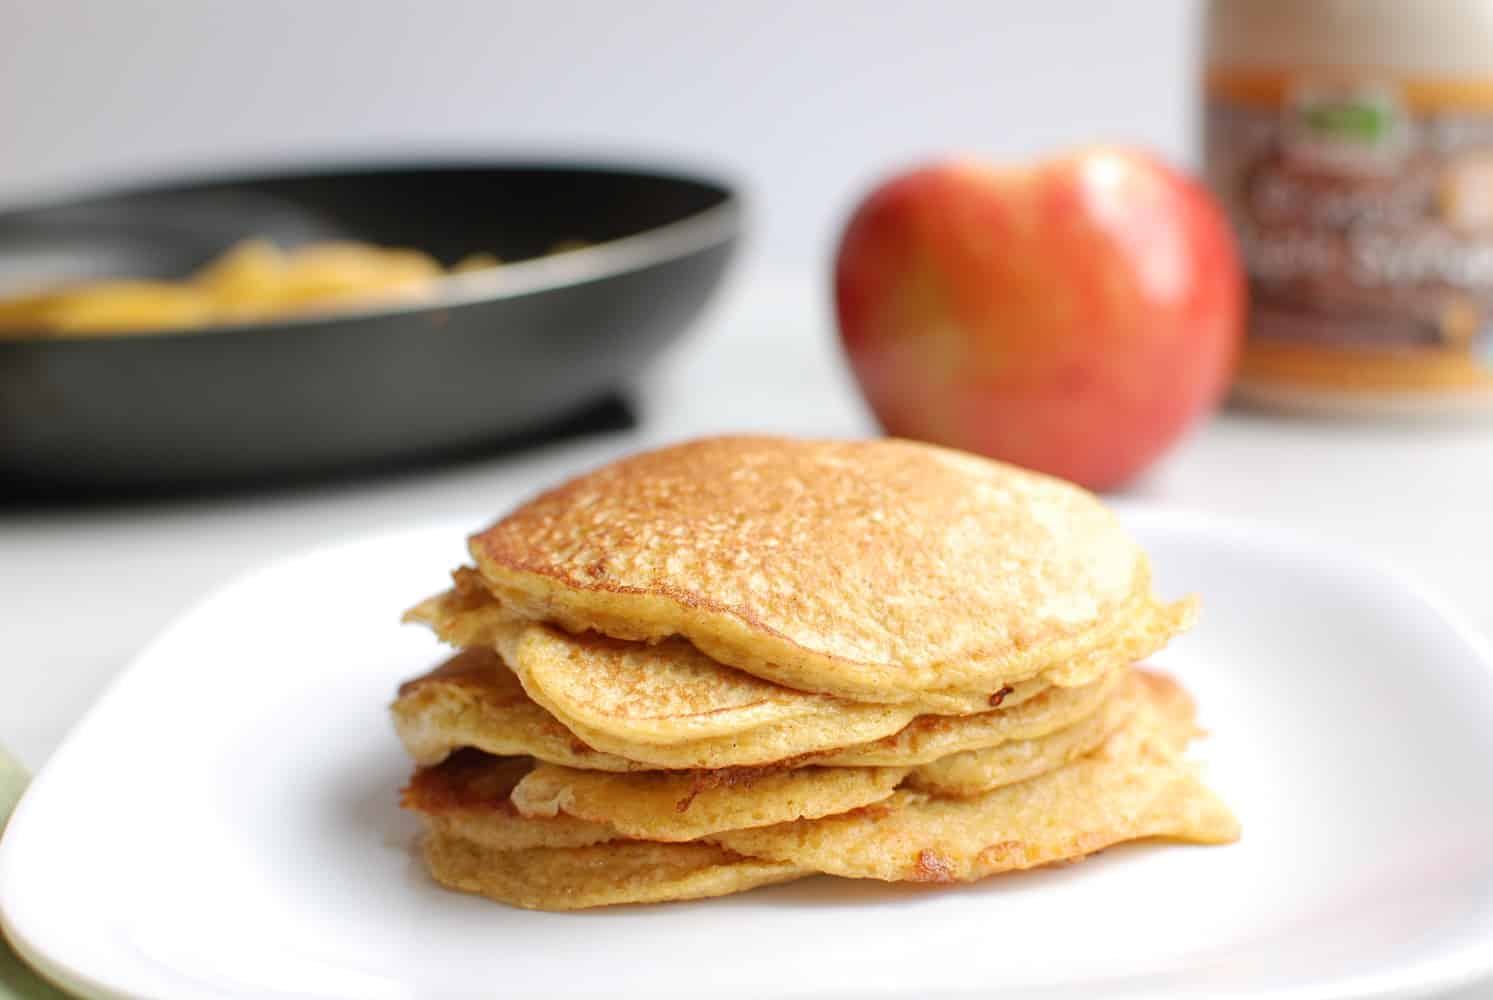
(933,737)
(974,772)
(1135,786)
(793,740)
(512,802)
(670,692)
(468,796)
(676,806)
(652,692)
(883,571)
(577,878)
(474,700)
(687,805)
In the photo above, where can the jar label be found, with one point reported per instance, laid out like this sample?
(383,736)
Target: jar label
(1364,211)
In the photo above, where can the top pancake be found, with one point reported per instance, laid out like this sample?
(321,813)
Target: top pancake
(874,570)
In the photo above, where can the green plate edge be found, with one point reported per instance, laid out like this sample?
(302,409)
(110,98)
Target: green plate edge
(17,981)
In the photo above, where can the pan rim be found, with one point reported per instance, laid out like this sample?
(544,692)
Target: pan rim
(710,227)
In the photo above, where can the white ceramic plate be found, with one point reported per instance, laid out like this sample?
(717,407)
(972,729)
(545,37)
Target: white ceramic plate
(223,823)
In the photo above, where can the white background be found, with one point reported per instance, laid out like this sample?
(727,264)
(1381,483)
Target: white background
(805,103)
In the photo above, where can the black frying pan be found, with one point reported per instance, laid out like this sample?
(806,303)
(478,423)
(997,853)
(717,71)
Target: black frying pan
(494,354)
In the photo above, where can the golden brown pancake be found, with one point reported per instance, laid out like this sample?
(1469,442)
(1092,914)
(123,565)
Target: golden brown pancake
(600,690)
(468,796)
(467,615)
(664,691)
(974,772)
(883,571)
(473,700)
(670,692)
(742,660)
(933,737)
(477,841)
(675,806)
(1136,785)
(577,878)
(512,802)
(562,845)
(687,805)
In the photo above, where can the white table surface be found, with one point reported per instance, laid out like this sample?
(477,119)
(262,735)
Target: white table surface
(82,590)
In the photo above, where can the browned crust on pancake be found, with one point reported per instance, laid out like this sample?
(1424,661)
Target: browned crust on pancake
(465,782)
(733,777)
(471,668)
(932,866)
(577,878)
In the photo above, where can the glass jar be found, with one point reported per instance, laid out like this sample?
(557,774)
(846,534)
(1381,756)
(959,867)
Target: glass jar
(1351,142)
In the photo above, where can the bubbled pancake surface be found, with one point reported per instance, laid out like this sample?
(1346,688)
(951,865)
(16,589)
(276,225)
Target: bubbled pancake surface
(578,878)
(1135,785)
(675,806)
(877,570)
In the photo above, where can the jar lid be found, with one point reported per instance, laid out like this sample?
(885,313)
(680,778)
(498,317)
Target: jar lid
(1430,37)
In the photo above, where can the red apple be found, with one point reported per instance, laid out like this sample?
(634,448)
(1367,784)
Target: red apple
(1074,317)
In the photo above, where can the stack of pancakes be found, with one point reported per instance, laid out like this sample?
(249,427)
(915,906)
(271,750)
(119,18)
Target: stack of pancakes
(741,661)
